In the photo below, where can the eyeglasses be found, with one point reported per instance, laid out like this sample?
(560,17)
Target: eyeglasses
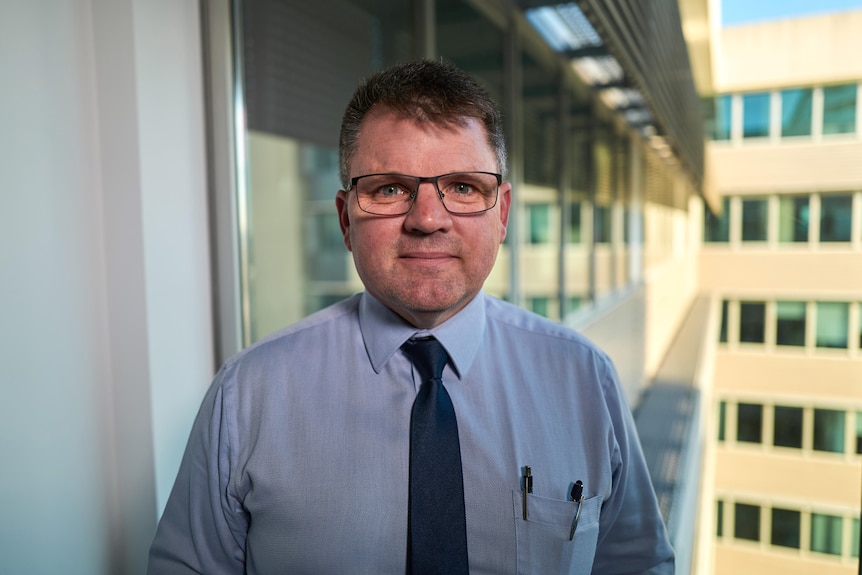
(393,194)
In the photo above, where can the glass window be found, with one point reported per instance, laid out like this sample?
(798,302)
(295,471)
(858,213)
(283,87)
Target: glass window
(793,219)
(826,533)
(722,335)
(836,217)
(722,419)
(829,430)
(746,522)
(574,223)
(719,518)
(859,432)
(755,115)
(790,328)
(754,220)
(717,115)
(796,112)
(787,427)
(540,223)
(785,527)
(751,322)
(716,228)
(854,537)
(540,305)
(833,320)
(749,422)
(602,224)
(839,109)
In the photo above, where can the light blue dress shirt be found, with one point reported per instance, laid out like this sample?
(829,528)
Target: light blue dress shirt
(298,459)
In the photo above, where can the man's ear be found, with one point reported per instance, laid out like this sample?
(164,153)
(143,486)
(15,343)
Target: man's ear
(505,199)
(342,201)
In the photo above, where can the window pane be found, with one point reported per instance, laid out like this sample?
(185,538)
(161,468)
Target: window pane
(793,219)
(836,217)
(839,109)
(826,533)
(719,518)
(722,335)
(755,115)
(859,432)
(785,528)
(751,321)
(796,112)
(718,116)
(790,323)
(749,422)
(746,523)
(788,426)
(540,223)
(854,538)
(540,305)
(722,418)
(602,223)
(716,228)
(832,324)
(754,220)
(574,223)
(829,430)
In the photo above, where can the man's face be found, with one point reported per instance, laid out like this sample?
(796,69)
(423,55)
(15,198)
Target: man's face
(427,264)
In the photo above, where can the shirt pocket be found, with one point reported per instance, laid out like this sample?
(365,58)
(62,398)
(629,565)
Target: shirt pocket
(543,544)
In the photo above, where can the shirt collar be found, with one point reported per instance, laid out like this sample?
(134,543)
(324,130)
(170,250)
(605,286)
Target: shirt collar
(384,331)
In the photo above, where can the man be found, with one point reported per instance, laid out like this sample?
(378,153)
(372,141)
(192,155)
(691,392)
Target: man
(305,456)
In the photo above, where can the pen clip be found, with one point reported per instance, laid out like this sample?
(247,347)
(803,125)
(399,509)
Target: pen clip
(577,497)
(528,488)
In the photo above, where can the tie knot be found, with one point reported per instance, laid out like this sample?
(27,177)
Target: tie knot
(428,355)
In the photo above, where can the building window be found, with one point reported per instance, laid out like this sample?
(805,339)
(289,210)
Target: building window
(793,219)
(722,334)
(785,527)
(755,115)
(719,518)
(826,533)
(854,537)
(602,223)
(722,419)
(751,322)
(746,522)
(796,112)
(859,432)
(754,220)
(540,223)
(749,422)
(716,228)
(787,429)
(790,328)
(829,430)
(833,320)
(540,305)
(836,217)
(839,109)
(717,115)
(574,223)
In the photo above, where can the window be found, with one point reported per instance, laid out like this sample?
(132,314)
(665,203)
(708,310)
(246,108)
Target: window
(751,322)
(722,418)
(718,117)
(854,537)
(785,527)
(790,323)
(826,533)
(540,223)
(754,220)
(796,112)
(540,305)
(722,335)
(793,219)
(755,115)
(829,430)
(833,320)
(859,432)
(839,109)
(574,223)
(716,228)
(836,217)
(602,223)
(746,522)
(719,518)
(787,429)
(749,422)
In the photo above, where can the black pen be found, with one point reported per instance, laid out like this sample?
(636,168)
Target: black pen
(528,488)
(577,497)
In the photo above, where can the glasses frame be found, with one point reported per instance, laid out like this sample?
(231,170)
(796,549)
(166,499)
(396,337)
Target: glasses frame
(431,179)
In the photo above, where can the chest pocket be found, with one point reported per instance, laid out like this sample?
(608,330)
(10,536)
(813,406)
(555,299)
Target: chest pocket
(543,539)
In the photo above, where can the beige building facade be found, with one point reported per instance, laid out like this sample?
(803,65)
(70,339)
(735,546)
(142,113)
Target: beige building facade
(782,267)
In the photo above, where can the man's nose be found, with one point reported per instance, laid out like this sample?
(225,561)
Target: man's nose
(428,213)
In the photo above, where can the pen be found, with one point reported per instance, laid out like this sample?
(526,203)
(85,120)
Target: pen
(577,497)
(528,488)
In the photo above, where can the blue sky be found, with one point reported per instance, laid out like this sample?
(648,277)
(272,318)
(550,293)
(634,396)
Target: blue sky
(747,11)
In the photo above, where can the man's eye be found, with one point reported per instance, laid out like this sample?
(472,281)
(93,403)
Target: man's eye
(390,190)
(462,188)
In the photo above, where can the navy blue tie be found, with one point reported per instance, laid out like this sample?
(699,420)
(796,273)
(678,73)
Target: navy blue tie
(437,532)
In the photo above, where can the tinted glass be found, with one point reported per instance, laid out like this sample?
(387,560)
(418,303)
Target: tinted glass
(785,528)
(796,112)
(826,533)
(754,220)
(716,228)
(839,109)
(749,422)
(752,322)
(746,524)
(755,115)
(790,323)
(829,430)
(832,324)
(793,219)
(788,426)
(836,214)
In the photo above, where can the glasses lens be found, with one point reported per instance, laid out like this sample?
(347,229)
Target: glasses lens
(469,192)
(386,194)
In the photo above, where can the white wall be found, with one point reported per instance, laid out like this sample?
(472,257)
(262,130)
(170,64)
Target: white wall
(106,342)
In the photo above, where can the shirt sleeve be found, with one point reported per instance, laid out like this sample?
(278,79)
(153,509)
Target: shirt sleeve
(203,528)
(632,535)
